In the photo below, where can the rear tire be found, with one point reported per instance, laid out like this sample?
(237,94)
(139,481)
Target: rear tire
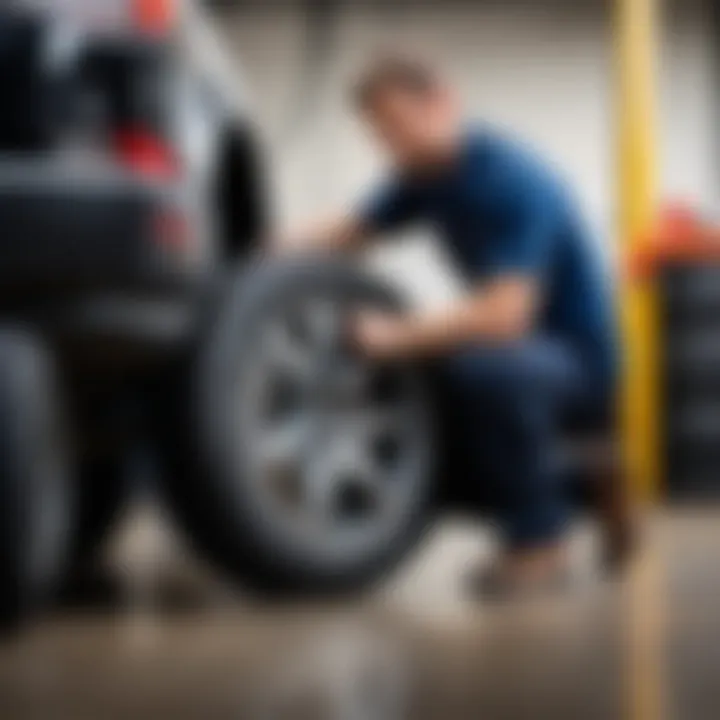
(35,496)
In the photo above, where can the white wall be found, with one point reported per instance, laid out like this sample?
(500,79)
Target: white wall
(543,69)
(689,105)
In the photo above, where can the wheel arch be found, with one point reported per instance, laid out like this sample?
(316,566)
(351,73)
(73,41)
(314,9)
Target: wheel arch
(241,192)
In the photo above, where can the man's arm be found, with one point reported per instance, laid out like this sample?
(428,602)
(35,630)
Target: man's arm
(502,312)
(388,208)
(342,233)
(515,258)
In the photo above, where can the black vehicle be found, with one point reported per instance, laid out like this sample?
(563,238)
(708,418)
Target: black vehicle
(131,194)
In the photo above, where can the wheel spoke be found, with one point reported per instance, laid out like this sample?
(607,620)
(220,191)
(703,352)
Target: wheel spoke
(319,489)
(323,318)
(369,423)
(281,351)
(283,443)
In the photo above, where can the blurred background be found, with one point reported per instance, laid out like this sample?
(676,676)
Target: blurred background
(623,96)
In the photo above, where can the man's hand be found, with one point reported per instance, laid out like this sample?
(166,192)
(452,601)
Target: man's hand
(380,336)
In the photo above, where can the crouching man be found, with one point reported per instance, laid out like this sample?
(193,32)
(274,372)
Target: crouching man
(533,338)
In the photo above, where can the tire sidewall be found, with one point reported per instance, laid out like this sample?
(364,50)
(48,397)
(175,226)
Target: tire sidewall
(258,292)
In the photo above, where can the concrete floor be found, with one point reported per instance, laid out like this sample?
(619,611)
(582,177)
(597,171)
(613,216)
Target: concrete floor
(644,649)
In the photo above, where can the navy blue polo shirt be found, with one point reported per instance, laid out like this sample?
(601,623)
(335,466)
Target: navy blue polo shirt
(500,210)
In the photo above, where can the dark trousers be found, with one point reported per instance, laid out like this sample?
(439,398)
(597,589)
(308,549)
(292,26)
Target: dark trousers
(503,408)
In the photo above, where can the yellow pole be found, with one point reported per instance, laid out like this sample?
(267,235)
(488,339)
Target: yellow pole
(636,38)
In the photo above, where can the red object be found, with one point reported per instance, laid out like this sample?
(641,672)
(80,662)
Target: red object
(146,154)
(680,236)
(679,218)
(155,17)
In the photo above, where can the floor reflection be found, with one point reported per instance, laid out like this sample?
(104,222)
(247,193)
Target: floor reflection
(175,643)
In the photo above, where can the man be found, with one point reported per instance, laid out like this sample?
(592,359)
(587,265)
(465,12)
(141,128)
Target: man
(533,337)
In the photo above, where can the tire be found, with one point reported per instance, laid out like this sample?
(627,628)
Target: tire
(211,467)
(35,495)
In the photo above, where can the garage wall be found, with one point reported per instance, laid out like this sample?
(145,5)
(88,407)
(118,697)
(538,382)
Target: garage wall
(689,102)
(542,69)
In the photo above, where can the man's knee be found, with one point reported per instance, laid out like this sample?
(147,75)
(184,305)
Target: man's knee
(512,375)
